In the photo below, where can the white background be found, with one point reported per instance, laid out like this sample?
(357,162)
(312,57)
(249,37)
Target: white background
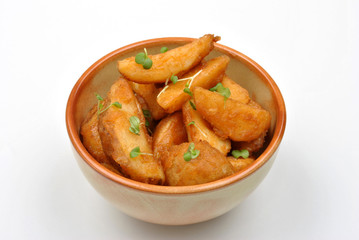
(310,48)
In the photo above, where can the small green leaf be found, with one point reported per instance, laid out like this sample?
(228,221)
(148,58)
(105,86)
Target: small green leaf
(187,156)
(146,113)
(140,58)
(98,97)
(164,49)
(147,64)
(135,152)
(100,106)
(192,105)
(240,153)
(117,104)
(225,92)
(147,123)
(135,125)
(188,91)
(174,79)
(191,123)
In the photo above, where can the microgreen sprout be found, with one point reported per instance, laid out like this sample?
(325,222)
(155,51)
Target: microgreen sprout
(191,153)
(174,79)
(135,125)
(240,153)
(164,49)
(188,83)
(147,115)
(188,91)
(136,152)
(143,59)
(192,105)
(100,106)
(199,129)
(225,92)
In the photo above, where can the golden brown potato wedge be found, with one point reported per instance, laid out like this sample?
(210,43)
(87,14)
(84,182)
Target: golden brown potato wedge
(240,163)
(91,138)
(170,131)
(210,165)
(230,118)
(176,61)
(118,141)
(173,97)
(237,92)
(149,92)
(251,146)
(201,130)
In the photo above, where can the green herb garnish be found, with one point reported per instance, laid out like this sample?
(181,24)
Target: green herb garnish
(143,59)
(191,123)
(225,92)
(136,152)
(192,105)
(240,153)
(147,115)
(188,91)
(174,79)
(191,153)
(100,106)
(135,125)
(164,49)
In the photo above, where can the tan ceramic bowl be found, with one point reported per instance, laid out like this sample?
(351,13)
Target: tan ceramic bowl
(164,204)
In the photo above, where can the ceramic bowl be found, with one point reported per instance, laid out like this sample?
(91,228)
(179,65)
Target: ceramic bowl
(165,204)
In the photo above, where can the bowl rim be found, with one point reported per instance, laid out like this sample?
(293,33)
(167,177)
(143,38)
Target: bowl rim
(260,161)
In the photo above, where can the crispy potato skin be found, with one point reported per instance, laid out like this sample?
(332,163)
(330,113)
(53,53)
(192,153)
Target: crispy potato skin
(209,166)
(238,121)
(175,61)
(202,130)
(237,92)
(251,146)
(170,131)
(149,93)
(91,137)
(118,141)
(240,163)
(173,97)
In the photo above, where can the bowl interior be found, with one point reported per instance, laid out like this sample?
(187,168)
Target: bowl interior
(102,74)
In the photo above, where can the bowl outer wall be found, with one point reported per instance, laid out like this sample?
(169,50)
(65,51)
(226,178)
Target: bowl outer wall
(117,184)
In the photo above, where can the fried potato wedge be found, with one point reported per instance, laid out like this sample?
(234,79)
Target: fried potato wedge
(176,61)
(149,92)
(170,131)
(202,130)
(118,141)
(237,92)
(240,163)
(231,118)
(210,165)
(91,137)
(251,146)
(173,97)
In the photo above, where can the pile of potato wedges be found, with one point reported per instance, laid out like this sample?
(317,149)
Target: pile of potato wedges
(170,126)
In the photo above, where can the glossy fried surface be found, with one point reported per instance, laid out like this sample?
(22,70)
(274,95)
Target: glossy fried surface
(233,119)
(210,165)
(237,91)
(240,163)
(149,93)
(251,146)
(173,97)
(175,61)
(118,141)
(91,137)
(202,130)
(170,131)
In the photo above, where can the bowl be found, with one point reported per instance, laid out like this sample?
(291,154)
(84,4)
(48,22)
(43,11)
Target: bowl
(170,205)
